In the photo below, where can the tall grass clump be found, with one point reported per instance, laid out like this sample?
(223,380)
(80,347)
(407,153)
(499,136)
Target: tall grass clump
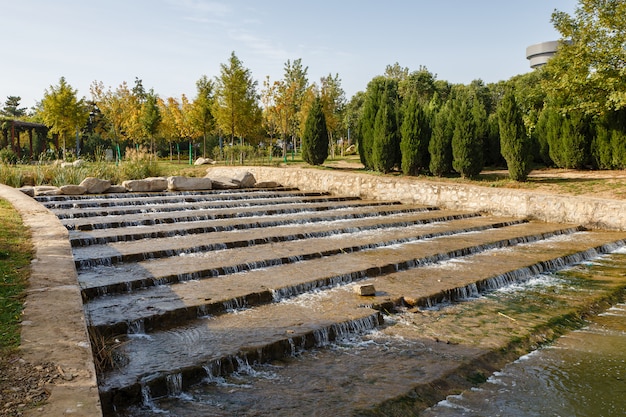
(137,164)
(10,175)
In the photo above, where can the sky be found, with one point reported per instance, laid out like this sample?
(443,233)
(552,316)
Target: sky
(170,44)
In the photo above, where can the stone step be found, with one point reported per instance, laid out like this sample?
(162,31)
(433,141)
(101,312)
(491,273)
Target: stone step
(189,213)
(150,198)
(233,235)
(231,220)
(163,306)
(124,277)
(223,343)
(98,211)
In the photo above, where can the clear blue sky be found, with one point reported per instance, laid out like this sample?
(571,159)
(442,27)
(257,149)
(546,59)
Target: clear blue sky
(170,44)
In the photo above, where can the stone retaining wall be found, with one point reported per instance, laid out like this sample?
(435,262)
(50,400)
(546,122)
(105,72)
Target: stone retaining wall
(589,212)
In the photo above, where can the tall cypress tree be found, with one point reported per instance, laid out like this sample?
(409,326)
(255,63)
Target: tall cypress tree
(371,104)
(440,145)
(415,135)
(385,148)
(315,137)
(515,143)
(467,149)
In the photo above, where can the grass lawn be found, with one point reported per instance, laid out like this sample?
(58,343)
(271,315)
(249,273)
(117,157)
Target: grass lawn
(15,257)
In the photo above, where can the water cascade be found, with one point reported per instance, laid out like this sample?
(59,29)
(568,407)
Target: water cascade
(215,296)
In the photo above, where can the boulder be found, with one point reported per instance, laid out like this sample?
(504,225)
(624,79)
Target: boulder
(66,164)
(267,184)
(178,183)
(95,185)
(116,189)
(146,185)
(245,179)
(29,191)
(47,190)
(223,183)
(78,163)
(71,189)
(203,161)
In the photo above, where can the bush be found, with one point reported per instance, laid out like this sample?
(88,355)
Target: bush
(7,156)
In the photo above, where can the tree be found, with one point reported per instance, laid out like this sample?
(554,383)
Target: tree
(440,145)
(386,140)
(415,135)
(333,104)
(150,117)
(587,73)
(315,138)
(467,148)
(292,94)
(63,112)
(120,110)
(515,143)
(236,107)
(371,103)
(12,108)
(202,113)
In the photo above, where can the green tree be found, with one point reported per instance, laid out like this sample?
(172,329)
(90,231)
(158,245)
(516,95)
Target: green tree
(515,143)
(467,148)
(386,140)
(333,104)
(371,103)
(587,73)
(150,118)
(440,145)
(315,138)
(415,135)
(63,112)
(12,108)
(292,95)
(236,108)
(202,112)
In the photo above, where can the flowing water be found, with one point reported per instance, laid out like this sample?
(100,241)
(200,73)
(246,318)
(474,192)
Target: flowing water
(243,303)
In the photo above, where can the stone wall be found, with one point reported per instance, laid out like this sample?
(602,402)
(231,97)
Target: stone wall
(589,212)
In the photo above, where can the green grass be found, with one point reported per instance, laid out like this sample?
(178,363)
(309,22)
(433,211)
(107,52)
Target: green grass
(15,257)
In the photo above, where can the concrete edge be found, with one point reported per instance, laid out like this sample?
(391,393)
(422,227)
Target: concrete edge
(54,329)
(593,213)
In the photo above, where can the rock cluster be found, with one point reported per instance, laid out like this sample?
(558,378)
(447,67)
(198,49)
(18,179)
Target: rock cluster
(212,180)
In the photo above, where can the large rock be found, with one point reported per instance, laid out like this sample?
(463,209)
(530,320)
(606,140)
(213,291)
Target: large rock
(267,184)
(29,191)
(178,183)
(223,183)
(71,189)
(245,179)
(116,189)
(95,185)
(47,190)
(203,161)
(146,185)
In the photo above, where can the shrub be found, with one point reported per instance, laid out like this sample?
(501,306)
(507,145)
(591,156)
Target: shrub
(7,156)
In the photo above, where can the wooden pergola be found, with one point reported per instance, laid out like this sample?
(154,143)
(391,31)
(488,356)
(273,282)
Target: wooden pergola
(11,129)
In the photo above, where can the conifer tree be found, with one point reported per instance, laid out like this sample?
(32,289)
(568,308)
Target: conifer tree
(467,149)
(415,135)
(315,137)
(440,145)
(515,143)
(385,149)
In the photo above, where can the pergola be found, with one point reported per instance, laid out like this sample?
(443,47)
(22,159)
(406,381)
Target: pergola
(11,129)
